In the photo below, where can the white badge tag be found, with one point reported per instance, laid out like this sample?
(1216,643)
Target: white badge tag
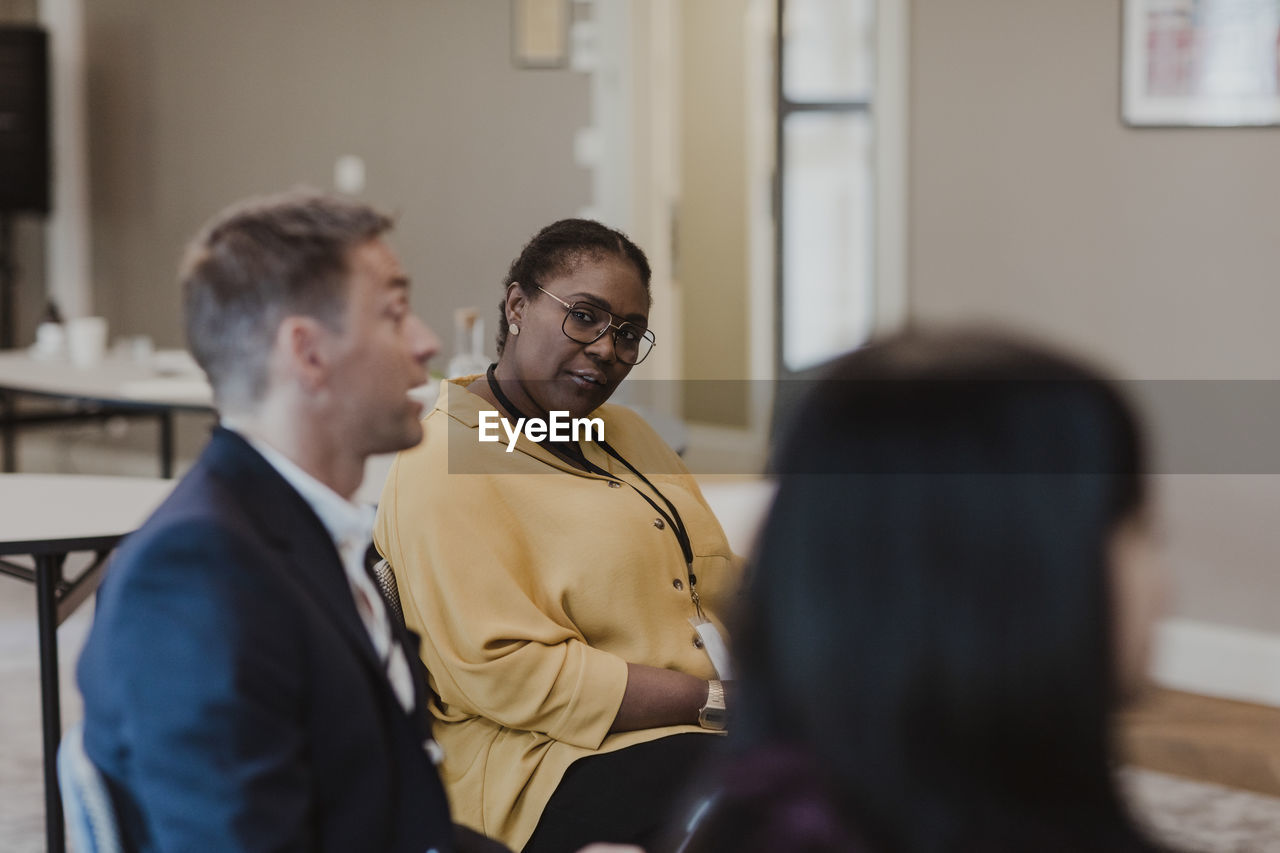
(714,646)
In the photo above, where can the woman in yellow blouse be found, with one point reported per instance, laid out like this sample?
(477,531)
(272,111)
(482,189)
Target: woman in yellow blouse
(569,594)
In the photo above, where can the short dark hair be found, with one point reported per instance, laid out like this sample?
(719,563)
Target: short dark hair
(928,611)
(258,262)
(557,250)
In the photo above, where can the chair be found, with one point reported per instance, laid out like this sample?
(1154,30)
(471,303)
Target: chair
(91,818)
(385,578)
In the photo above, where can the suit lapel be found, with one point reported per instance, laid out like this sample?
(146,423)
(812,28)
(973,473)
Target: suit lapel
(287,522)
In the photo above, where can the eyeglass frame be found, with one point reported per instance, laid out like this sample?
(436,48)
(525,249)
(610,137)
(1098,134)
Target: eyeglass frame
(568,307)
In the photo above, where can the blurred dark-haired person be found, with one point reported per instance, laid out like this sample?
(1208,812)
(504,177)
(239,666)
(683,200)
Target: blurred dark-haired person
(569,592)
(954,589)
(244,688)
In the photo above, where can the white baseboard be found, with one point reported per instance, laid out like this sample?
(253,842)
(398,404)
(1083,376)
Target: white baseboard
(1215,660)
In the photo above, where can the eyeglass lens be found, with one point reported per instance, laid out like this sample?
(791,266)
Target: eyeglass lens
(586,324)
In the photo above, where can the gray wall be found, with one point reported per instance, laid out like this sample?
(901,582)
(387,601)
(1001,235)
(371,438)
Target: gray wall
(17,11)
(194,104)
(1031,201)
(1154,249)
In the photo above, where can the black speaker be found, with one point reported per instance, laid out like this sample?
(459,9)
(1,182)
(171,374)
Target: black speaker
(24,119)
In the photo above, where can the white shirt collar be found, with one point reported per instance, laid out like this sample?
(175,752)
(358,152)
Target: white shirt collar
(348,523)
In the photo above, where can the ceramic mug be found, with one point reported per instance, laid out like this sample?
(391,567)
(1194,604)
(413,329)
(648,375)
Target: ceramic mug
(86,340)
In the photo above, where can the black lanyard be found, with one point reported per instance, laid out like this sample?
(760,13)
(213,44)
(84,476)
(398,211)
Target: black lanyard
(670,515)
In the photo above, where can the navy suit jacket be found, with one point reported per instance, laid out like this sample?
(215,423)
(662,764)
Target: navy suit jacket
(232,696)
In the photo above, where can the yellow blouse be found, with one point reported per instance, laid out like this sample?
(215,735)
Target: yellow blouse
(533,585)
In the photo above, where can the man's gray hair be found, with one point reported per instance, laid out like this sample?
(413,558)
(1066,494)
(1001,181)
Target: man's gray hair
(258,262)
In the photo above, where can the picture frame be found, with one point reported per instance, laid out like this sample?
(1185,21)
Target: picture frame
(540,33)
(1207,63)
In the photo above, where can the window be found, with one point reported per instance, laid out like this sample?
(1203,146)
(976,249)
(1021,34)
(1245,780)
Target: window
(825,194)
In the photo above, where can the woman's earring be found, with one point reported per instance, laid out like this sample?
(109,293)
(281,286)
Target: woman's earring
(513,329)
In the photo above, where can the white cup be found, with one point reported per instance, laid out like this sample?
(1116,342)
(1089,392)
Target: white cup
(50,341)
(135,348)
(141,348)
(86,340)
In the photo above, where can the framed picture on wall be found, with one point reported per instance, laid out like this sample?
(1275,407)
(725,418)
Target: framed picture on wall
(540,33)
(1201,62)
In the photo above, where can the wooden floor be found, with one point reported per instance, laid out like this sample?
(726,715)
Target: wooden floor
(1211,740)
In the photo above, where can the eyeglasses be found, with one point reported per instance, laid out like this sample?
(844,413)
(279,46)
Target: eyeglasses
(585,323)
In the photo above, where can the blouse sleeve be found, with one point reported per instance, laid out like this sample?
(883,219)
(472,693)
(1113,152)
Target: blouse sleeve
(494,644)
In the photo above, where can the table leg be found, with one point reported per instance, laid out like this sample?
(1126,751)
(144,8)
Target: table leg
(8,433)
(166,444)
(48,575)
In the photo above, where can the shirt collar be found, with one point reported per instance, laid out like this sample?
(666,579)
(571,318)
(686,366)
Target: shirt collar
(460,404)
(345,521)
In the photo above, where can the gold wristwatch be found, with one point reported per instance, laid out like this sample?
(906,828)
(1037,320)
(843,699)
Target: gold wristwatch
(712,715)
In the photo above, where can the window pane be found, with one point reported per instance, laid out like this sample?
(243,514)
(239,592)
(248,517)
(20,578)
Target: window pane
(827,236)
(827,49)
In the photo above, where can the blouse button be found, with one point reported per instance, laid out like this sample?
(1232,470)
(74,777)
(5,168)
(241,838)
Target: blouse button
(614,484)
(658,523)
(697,642)
(677,583)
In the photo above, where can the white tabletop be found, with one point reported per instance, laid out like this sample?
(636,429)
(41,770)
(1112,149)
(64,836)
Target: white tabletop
(169,378)
(51,508)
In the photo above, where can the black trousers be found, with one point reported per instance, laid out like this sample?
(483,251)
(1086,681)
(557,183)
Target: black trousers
(624,797)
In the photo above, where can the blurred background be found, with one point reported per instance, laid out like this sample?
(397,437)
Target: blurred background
(907,161)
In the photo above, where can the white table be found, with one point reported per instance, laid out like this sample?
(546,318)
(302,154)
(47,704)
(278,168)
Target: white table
(167,382)
(47,517)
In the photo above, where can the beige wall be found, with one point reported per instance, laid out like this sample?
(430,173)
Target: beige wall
(1032,202)
(1154,249)
(711,242)
(194,104)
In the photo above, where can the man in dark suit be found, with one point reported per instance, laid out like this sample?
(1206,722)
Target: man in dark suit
(244,687)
